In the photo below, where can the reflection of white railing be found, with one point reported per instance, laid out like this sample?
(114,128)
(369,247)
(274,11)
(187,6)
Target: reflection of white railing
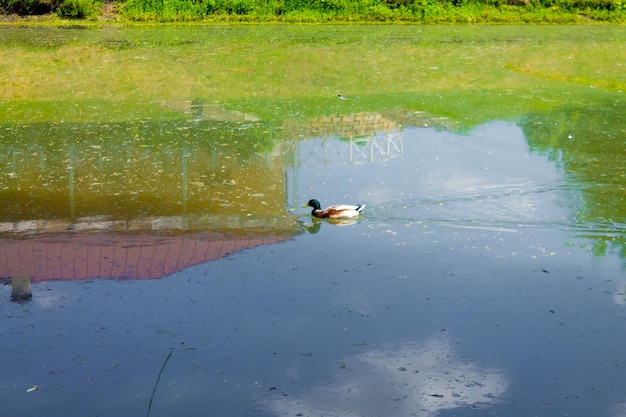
(375,148)
(137,224)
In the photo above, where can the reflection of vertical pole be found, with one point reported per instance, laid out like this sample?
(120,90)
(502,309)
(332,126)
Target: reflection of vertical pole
(184,178)
(40,152)
(325,151)
(213,158)
(42,158)
(13,161)
(70,169)
(197,110)
(296,168)
(350,145)
(21,289)
(388,137)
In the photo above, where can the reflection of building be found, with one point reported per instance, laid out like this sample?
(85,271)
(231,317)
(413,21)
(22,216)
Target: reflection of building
(356,125)
(58,256)
(374,148)
(145,199)
(135,200)
(133,170)
(363,137)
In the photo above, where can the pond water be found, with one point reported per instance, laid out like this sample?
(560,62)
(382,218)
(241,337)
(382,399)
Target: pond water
(173,271)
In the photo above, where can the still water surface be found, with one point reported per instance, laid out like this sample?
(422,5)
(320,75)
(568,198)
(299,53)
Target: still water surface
(486,276)
(466,289)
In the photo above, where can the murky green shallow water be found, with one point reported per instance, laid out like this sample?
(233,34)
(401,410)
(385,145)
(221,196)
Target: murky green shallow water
(486,276)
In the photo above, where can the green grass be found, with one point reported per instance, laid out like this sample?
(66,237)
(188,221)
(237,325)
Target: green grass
(278,72)
(324,11)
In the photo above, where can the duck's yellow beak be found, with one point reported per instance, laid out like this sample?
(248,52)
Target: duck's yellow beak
(305,205)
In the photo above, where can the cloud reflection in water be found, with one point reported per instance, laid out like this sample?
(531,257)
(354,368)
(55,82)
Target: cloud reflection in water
(416,379)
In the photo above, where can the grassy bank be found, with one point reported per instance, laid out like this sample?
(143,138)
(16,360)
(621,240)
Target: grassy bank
(470,73)
(324,11)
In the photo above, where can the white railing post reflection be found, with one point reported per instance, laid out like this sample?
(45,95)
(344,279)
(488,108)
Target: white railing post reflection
(374,148)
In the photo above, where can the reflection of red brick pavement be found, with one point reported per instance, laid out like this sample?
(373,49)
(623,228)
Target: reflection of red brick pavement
(102,255)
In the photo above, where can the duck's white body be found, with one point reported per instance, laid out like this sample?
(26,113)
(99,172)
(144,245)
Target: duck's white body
(336,211)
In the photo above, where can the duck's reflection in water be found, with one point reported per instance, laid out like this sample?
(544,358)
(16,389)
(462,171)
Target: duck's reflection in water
(317,223)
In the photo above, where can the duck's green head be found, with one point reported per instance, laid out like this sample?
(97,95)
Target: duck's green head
(313,203)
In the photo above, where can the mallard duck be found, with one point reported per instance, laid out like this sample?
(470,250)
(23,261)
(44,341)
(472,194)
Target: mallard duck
(334,212)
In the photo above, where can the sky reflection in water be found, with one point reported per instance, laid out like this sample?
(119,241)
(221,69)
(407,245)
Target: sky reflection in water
(464,290)
(488,178)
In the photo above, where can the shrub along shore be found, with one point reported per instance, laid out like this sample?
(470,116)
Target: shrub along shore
(321,11)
